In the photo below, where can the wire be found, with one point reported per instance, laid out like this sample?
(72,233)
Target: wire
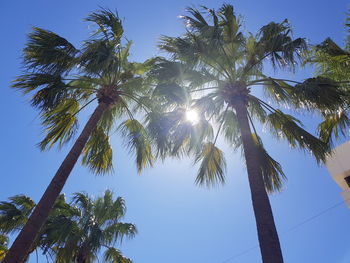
(288,230)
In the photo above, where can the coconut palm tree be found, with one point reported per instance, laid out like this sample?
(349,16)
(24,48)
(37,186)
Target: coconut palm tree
(222,69)
(63,81)
(333,62)
(90,226)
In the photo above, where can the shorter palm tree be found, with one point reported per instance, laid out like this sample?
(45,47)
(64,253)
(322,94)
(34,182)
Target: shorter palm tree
(91,225)
(77,231)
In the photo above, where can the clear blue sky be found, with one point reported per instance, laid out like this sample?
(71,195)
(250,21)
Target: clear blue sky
(177,221)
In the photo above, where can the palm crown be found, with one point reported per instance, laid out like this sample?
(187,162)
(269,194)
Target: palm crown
(219,66)
(64,80)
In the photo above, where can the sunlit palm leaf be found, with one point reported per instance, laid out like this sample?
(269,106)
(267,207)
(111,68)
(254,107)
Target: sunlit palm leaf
(14,214)
(49,89)
(160,127)
(231,130)
(108,22)
(97,154)
(113,255)
(335,124)
(320,93)
(99,57)
(47,52)
(212,165)
(271,170)
(287,127)
(138,142)
(172,93)
(60,123)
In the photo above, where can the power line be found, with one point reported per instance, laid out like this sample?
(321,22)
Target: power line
(288,230)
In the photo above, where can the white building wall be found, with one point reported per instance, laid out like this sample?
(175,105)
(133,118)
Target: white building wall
(338,165)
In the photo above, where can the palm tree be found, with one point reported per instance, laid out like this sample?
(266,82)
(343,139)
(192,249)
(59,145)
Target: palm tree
(78,230)
(91,225)
(222,68)
(64,80)
(333,62)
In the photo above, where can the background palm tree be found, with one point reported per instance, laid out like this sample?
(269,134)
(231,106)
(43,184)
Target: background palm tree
(74,232)
(333,62)
(64,80)
(92,225)
(222,68)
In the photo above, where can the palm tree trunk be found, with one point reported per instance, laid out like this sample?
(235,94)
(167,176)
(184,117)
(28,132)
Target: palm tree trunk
(268,238)
(20,248)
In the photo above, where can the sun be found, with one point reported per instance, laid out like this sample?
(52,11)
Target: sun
(192,116)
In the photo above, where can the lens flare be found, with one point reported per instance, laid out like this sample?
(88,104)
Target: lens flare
(192,116)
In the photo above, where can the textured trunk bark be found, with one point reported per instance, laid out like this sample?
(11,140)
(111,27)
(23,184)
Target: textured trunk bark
(268,238)
(20,248)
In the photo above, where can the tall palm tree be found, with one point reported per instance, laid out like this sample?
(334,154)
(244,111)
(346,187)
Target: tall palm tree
(222,69)
(76,230)
(333,62)
(64,80)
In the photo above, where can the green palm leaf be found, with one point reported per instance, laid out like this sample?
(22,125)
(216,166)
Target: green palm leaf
(212,165)
(97,153)
(60,123)
(113,255)
(138,142)
(287,127)
(52,89)
(335,124)
(271,170)
(47,52)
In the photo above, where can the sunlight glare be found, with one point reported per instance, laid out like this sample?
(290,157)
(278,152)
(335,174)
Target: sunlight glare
(192,116)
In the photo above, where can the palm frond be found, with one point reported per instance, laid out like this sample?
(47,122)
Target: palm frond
(98,57)
(320,93)
(160,126)
(51,89)
(272,172)
(172,93)
(14,213)
(113,255)
(61,123)
(255,108)
(287,127)
(278,90)
(97,153)
(212,165)
(110,26)
(275,41)
(231,130)
(334,124)
(138,141)
(47,52)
